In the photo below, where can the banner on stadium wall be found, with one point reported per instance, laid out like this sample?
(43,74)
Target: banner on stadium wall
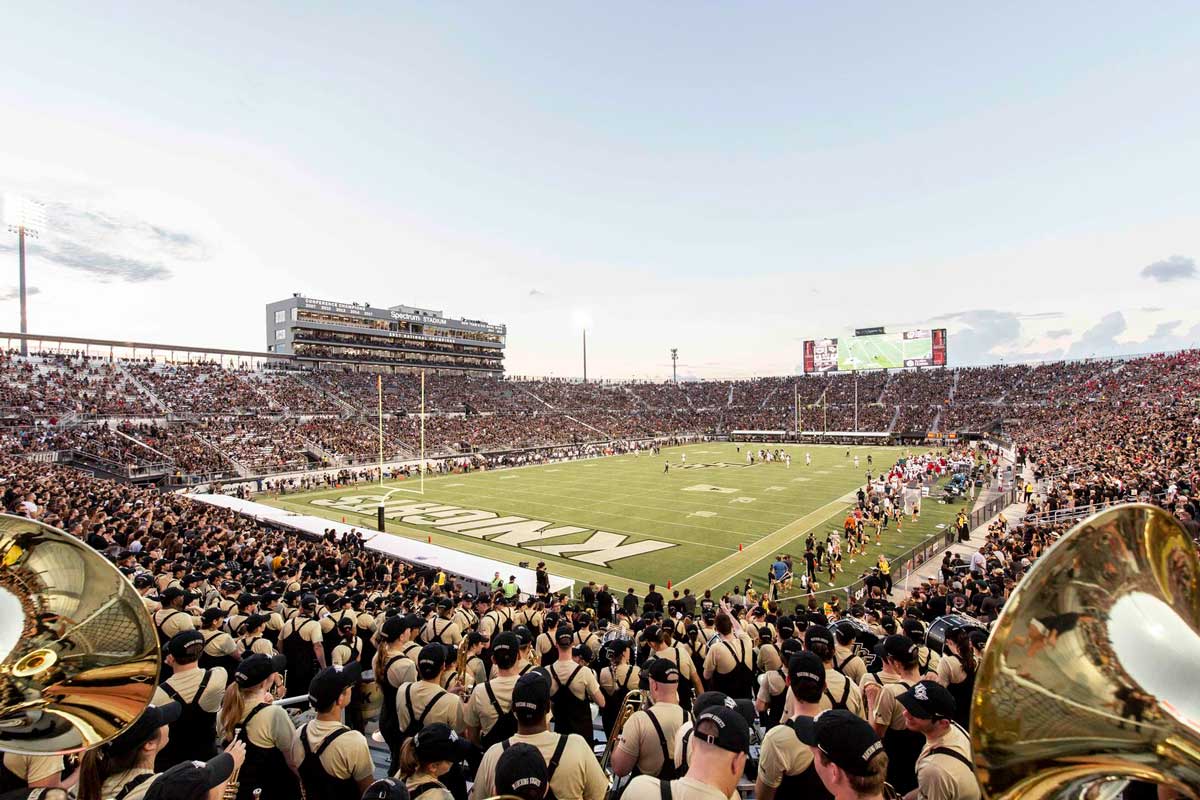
(820,355)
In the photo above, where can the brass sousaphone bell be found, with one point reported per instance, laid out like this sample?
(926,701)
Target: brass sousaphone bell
(79,656)
(1090,676)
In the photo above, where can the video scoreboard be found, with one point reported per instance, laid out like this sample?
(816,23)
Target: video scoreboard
(877,350)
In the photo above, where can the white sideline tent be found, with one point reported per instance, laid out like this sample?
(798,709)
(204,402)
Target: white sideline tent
(465,565)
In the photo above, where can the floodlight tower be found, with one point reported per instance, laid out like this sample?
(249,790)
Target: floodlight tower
(674,360)
(24,218)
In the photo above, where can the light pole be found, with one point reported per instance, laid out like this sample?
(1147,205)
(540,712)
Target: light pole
(585,355)
(674,359)
(24,218)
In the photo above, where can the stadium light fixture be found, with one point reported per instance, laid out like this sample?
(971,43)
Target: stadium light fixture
(24,218)
(582,320)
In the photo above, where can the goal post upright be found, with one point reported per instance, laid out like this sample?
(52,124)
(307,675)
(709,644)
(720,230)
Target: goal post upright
(422,467)
(379,387)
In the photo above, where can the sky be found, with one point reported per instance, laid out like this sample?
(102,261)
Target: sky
(725,179)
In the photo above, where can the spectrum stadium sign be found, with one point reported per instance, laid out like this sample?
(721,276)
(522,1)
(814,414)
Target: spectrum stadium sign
(877,350)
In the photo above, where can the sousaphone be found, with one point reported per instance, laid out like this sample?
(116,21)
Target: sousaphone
(1090,677)
(80,655)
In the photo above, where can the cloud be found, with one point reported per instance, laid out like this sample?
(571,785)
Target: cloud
(537,293)
(13,293)
(111,247)
(1058,333)
(1043,315)
(1151,309)
(1100,339)
(1175,268)
(985,330)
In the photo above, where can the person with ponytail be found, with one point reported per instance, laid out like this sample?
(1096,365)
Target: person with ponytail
(956,671)
(392,670)
(615,681)
(249,713)
(122,769)
(428,756)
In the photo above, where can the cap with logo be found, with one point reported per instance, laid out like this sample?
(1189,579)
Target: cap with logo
(191,780)
(663,671)
(437,742)
(732,732)
(929,700)
(819,633)
(328,684)
(257,668)
(186,644)
(845,738)
(807,666)
(521,768)
(531,696)
(431,659)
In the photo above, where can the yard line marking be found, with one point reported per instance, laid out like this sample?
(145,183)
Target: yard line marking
(509,477)
(703,514)
(720,572)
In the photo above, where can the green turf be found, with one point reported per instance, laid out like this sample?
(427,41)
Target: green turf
(632,496)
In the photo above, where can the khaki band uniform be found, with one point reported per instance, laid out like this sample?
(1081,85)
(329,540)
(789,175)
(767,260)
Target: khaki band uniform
(32,769)
(479,712)
(342,655)
(447,709)
(835,684)
(782,754)
(256,644)
(640,739)
(854,668)
(577,777)
(441,630)
(347,756)
(941,776)
(583,687)
(644,787)
(172,621)
(272,727)
(188,681)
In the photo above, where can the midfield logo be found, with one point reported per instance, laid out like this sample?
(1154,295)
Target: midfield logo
(600,548)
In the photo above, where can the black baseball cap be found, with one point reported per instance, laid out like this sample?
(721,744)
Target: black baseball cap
(186,644)
(899,647)
(392,628)
(929,700)
(732,730)
(663,671)
(431,659)
(145,726)
(531,696)
(707,700)
(504,649)
(437,742)
(386,789)
(328,684)
(254,620)
(308,601)
(521,768)
(191,780)
(845,738)
(170,593)
(819,633)
(257,668)
(807,666)
(564,637)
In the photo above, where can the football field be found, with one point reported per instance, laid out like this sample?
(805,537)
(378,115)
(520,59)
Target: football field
(708,522)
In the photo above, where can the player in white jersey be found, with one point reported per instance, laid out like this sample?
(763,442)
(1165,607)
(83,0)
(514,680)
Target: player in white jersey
(808,459)
(787,460)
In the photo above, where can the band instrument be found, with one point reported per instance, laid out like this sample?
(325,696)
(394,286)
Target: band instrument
(79,654)
(1089,678)
(634,700)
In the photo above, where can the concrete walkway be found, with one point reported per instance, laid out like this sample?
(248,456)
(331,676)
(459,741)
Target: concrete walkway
(1014,513)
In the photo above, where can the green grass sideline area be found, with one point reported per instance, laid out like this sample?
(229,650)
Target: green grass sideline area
(708,522)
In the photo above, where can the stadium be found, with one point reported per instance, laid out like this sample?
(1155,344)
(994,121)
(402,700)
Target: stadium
(861,470)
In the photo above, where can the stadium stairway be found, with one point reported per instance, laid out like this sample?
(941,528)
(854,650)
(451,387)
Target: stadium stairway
(141,387)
